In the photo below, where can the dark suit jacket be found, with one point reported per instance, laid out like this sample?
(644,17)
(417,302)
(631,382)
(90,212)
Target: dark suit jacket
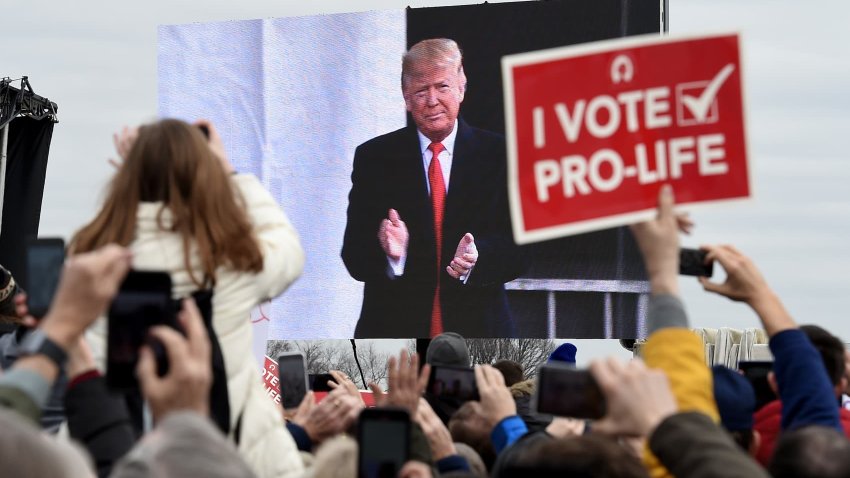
(389,173)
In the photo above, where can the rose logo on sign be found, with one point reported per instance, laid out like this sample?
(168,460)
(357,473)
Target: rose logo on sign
(622,69)
(594,130)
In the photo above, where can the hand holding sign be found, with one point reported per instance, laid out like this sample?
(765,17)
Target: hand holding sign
(658,240)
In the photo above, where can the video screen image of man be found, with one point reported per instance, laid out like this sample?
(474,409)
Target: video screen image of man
(428,228)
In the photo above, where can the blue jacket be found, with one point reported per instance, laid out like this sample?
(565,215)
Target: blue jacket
(804,387)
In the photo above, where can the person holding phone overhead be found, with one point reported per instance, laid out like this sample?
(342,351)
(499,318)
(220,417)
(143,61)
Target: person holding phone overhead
(177,203)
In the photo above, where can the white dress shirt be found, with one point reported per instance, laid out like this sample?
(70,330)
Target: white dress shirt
(396,267)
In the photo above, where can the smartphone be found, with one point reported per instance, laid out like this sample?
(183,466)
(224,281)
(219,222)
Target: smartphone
(204,131)
(319,382)
(292,373)
(756,374)
(565,391)
(143,301)
(44,260)
(383,438)
(453,382)
(692,263)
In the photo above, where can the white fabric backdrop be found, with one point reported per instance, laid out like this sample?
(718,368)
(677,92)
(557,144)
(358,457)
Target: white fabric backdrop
(293,97)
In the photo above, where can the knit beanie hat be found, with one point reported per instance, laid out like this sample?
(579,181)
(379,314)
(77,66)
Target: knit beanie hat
(564,353)
(736,400)
(448,348)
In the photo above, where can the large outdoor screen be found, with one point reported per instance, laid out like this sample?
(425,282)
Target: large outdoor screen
(294,98)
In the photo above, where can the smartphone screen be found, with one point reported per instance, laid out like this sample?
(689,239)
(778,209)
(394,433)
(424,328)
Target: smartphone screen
(453,382)
(143,301)
(293,379)
(756,374)
(319,382)
(44,259)
(383,436)
(692,263)
(568,392)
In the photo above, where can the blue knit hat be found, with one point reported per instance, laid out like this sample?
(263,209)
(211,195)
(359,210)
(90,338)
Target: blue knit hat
(735,399)
(564,353)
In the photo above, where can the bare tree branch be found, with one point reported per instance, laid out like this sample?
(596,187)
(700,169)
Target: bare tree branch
(529,353)
(321,356)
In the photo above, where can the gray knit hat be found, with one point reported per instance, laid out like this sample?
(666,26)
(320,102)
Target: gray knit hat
(448,348)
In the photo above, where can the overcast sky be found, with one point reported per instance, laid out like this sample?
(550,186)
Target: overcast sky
(97,60)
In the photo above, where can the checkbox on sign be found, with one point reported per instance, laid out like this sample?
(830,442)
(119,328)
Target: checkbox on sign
(688,113)
(696,102)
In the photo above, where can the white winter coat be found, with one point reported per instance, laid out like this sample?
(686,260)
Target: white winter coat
(265,444)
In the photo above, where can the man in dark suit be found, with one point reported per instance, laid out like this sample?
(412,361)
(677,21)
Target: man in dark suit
(436,190)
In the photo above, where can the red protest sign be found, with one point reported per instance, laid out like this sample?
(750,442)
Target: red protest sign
(271,383)
(270,379)
(594,130)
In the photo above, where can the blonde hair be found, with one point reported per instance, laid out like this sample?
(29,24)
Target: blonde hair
(432,53)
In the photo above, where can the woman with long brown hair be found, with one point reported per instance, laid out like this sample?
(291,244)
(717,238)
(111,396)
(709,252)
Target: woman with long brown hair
(176,202)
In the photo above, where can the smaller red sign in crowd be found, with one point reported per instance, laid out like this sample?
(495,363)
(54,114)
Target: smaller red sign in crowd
(272,385)
(595,130)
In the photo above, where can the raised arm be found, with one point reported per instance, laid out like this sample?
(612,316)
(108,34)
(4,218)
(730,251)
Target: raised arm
(89,282)
(804,387)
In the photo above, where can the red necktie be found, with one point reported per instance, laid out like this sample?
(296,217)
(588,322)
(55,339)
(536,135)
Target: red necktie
(438,199)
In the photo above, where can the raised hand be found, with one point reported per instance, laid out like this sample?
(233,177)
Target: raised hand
(497,403)
(406,383)
(638,399)
(340,379)
(216,144)
(333,415)
(438,436)
(658,240)
(89,282)
(187,384)
(123,141)
(743,283)
(466,255)
(393,236)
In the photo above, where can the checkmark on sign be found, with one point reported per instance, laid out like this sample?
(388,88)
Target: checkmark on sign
(701,107)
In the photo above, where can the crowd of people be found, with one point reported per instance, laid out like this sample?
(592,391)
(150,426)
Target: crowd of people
(228,246)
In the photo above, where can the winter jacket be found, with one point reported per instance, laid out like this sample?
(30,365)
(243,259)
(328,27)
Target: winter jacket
(522,393)
(99,420)
(692,445)
(804,384)
(680,353)
(264,442)
(768,422)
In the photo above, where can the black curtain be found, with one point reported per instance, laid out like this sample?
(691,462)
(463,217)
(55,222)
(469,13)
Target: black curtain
(26,168)
(485,33)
